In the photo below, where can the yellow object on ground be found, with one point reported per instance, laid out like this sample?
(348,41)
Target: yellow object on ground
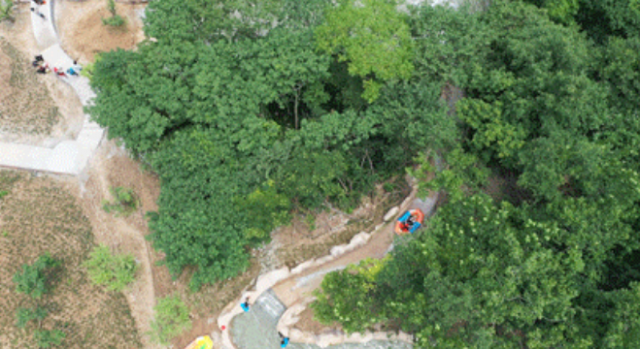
(203,342)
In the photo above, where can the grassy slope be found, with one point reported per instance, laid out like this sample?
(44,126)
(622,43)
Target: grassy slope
(39,215)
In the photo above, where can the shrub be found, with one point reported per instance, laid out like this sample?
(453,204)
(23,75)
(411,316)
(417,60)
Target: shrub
(45,338)
(24,315)
(3,193)
(113,271)
(111,6)
(87,69)
(6,11)
(172,318)
(125,202)
(32,280)
(115,21)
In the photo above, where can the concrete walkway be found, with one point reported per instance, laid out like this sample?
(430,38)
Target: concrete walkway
(67,157)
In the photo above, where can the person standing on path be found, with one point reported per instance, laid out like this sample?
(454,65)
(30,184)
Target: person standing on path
(245,305)
(284,341)
(75,69)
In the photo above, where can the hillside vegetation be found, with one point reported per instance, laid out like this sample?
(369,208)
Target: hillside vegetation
(246,118)
(41,223)
(290,106)
(538,243)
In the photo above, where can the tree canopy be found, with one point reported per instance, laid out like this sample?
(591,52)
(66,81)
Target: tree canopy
(251,110)
(537,242)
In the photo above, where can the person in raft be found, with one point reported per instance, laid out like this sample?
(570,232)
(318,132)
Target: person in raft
(245,305)
(406,226)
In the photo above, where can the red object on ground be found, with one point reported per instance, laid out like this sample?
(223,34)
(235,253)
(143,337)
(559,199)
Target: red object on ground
(223,327)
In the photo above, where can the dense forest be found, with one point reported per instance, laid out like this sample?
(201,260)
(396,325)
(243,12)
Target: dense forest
(251,109)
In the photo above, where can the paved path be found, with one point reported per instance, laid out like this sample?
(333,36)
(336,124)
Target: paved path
(67,157)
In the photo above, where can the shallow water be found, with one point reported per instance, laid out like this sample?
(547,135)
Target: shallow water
(256,329)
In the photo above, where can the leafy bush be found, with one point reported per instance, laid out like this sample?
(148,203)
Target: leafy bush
(125,202)
(114,271)
(344,296)
(172,318)
(267,209)
(6,11)
(88,69)
(32,280)
(115,21)
(24,315)
(111,6)
(46,338)
(3,193)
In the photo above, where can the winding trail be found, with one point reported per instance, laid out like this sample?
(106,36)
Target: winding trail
(67,157)
(294,287)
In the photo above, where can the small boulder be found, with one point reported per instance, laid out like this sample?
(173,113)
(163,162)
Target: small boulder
(392,212)
(359,240)
(338,250)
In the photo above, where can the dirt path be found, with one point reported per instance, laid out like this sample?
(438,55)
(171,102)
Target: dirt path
(295,289)
(123,234)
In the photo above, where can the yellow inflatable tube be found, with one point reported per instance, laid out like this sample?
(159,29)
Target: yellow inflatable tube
(203,342)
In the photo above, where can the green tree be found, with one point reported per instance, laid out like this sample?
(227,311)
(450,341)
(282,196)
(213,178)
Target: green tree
(170,320)
(345,297)
(267,209)
(113,271)
(492,130)
(562,11)
(602,19)
(32,281)
(623,324)
(209,21)
(373,36)
(621,70)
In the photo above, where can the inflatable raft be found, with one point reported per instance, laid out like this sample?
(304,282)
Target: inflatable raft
(409,222)
(203,342)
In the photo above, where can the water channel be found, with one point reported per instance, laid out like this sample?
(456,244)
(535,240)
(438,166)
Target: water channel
(256,329)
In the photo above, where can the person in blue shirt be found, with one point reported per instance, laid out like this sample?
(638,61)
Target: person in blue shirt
(75,69)
(245,305)
(284,341)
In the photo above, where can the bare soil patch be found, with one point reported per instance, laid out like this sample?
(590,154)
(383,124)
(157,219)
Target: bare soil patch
(308,324)
(111,167)
(39,215)
(34,109)
(83,35)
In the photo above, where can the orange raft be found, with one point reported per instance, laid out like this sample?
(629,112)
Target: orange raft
(409,222)
(203,342)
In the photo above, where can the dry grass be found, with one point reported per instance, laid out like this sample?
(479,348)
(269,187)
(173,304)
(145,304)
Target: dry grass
(40,215)
(25,104)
